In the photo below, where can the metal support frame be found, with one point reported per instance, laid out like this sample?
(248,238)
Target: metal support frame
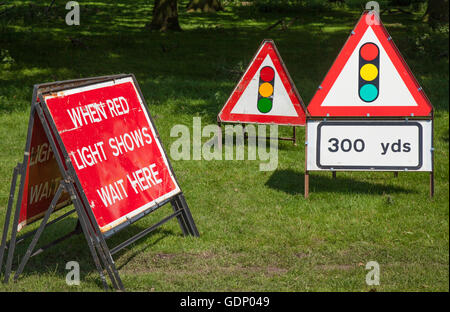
(92,238)
(181,220)
(293,138)
(187,216)
(4,245)
(25,236)
(306,182)
(185,220)
(96,240)
(432,184)
(39,231)
(219,139)
(12,243)
(143,233)
(76,231)
(432,156)
(21,170)
(8,214)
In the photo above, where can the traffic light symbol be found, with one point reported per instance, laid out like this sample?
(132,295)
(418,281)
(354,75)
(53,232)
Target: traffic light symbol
(369,72)
(265,89)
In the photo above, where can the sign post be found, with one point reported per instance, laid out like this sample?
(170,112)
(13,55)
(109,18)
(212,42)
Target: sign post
(369,113)
(109,163)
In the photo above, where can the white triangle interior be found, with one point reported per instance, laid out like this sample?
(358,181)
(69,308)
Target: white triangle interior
(392,89)
(282,104)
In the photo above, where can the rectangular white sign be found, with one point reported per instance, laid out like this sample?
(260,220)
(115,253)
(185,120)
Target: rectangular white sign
(369,145)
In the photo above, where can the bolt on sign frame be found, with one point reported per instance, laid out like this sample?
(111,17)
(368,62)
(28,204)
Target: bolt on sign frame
(369,84)
(277,81)
(48,103)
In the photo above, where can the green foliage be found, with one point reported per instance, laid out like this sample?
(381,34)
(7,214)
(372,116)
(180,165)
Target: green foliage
(431,42)
(289,6)
(5,59)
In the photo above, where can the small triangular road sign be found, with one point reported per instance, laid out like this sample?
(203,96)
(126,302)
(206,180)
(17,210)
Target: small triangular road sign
(265,94)
(369,78)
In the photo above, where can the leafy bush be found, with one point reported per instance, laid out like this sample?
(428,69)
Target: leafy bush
(431,42)
(5,59)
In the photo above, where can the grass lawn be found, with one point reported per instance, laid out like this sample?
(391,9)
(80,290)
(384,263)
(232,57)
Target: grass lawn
(257,232)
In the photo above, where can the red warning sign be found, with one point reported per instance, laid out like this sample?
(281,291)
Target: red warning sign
(42,177)
(369,78)
(265,94)
(114,149)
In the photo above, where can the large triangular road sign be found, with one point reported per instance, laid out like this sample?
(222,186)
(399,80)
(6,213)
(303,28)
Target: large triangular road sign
(369,78)
(265,94)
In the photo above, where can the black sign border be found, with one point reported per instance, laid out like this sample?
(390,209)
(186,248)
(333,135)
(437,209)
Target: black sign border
(371,123)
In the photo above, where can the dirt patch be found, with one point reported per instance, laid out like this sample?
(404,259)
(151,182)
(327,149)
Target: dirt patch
(163,256)
(145,263)
(276,270)
(339,267)
(202,263)
(301,255)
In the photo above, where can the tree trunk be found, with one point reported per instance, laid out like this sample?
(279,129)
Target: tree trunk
(210,6)
(437,12)
(165,16)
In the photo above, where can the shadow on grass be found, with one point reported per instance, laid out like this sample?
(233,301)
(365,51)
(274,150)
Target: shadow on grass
(237,140)
(53,260)
(293,182)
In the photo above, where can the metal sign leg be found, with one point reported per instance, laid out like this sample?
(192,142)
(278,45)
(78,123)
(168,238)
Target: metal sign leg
(306,184)
(37,235)
(432,156)
(8,214)
(219,139)
(431,183)
(92,240)
(187,216)
(104,252)
(294,136)
(98,237)
(110,261)
(12,243)
(89,241)
(180,218)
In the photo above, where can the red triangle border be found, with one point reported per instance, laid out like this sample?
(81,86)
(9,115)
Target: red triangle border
(267,48)
(424,107)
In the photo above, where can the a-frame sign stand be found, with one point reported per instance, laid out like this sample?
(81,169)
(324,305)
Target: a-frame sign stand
(265,94)
(70,184)
(369,113)
(293,138)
